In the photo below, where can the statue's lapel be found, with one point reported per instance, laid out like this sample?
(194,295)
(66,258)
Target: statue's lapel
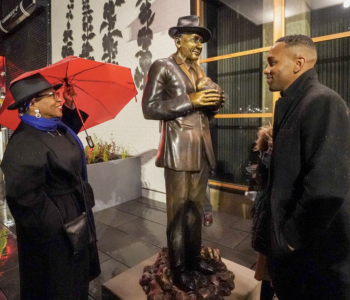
(183,67)
(188,74)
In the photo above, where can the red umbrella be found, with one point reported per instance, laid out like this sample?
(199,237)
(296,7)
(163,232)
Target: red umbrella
(102,89)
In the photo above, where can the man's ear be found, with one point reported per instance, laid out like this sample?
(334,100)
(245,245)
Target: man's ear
(299,64)
(177,42)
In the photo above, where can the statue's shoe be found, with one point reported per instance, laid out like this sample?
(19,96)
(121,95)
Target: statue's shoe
(202,266)
(184,281)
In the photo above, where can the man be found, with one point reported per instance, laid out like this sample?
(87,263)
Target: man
(309,255)
(185,149)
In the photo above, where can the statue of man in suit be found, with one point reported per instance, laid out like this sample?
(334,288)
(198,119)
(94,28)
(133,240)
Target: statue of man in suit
(185,150)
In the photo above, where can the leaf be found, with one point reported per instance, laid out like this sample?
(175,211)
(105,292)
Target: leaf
(90,11)
(85,26)
(89,19)
(103,25)
(91,35)
(84,37)
(117,33)
(138,3)
(104,56)
(91,28)
(151,19)
(84,18)
(70,44)
(119,2)
(71,16)
(68,25)
(72,6)
(139,53)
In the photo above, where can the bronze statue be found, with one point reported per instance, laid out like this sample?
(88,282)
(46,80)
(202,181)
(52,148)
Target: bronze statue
(185,149)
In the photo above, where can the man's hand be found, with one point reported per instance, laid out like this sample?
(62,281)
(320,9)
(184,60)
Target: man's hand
(205,98)
(69,96)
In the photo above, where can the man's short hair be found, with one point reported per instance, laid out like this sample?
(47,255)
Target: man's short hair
(297,40)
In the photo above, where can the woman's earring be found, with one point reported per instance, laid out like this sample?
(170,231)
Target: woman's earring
(37,113)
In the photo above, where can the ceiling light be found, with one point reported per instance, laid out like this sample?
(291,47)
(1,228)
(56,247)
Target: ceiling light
(346,3)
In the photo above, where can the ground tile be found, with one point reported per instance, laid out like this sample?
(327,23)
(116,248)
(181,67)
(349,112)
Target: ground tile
(223,235)
(103,257)
(153,203)
(128,250)
(9,283)
(112,217)
(244,225)
(150,232)
(224,219)
(246,246)
(143,211)
(106,234)
(109,269)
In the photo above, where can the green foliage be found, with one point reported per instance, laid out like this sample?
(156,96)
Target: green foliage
(105,151)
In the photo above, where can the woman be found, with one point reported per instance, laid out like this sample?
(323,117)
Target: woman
(260,210)
(46,188)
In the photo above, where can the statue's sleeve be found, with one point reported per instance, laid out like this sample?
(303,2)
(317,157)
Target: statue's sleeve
(155,105)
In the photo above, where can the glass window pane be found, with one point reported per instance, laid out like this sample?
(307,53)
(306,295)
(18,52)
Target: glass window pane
(233,146)
(316,17)
(244,84)
(238,25)
(333,66)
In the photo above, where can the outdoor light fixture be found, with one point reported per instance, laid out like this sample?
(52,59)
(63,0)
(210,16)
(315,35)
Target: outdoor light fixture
(346,3)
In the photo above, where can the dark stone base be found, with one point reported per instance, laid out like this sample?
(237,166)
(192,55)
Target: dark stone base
(157,279)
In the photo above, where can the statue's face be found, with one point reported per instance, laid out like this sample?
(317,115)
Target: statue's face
(190,46)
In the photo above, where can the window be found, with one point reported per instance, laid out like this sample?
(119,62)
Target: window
(235,57)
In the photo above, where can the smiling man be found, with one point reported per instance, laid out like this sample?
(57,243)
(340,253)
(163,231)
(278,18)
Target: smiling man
(185,150)
(309,255)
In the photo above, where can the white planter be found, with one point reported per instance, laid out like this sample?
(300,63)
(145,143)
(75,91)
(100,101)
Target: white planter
(115,182)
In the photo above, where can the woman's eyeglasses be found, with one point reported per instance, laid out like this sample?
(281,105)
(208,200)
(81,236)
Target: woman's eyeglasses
(54,95)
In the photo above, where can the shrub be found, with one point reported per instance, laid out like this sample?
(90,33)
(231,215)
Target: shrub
(105,151)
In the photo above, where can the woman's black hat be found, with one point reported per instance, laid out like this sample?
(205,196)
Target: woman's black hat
(190,24)
(28,88)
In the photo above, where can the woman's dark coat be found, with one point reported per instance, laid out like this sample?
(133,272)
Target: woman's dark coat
(43,192)
(308,191)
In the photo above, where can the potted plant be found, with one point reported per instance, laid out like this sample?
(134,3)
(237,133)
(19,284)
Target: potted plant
(114,175)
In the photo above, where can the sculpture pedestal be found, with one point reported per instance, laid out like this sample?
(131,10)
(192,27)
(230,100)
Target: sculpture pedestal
(126,285)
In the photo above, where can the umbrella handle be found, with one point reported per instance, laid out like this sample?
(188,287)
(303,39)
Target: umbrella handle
(90,142)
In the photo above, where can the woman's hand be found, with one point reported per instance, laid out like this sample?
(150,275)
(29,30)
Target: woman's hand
(69,96)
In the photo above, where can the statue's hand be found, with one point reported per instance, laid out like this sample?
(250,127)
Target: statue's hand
(205,98)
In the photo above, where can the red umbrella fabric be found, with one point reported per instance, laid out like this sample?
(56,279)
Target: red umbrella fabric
(102,89)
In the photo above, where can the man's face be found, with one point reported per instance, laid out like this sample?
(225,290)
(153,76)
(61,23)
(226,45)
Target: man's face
(190,46)
(280,67)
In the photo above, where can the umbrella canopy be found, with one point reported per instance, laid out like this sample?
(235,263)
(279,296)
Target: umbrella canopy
(102,89)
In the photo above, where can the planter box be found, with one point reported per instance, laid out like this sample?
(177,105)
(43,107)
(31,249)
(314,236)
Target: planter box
(115,182)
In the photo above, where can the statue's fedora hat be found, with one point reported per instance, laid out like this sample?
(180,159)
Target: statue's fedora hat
(190,24)
(28,88)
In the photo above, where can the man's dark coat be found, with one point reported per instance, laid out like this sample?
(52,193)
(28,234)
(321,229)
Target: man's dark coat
(309,187)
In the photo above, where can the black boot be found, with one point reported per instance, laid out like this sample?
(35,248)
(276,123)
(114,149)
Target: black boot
(184,281)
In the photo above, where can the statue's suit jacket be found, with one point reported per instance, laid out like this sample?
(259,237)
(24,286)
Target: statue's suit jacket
(185,133)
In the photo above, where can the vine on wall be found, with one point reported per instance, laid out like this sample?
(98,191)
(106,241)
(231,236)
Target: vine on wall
(144,40)
(67,49)
(109,44)
(88,31)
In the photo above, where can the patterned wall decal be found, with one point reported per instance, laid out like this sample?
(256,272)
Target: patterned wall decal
(88,31)
(144,40)
(67,49)
(109,44)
